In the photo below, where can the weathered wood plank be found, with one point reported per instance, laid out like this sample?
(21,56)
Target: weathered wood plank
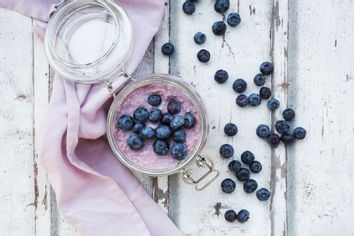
(241,52)
(17,201)
(321,192)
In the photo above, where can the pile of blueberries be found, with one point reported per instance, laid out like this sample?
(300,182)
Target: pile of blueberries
(170,127)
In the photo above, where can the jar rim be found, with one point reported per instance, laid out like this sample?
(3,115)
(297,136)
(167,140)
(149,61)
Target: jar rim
(143,81)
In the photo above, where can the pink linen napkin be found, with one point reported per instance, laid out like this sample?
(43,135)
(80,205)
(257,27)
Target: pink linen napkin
(94,191)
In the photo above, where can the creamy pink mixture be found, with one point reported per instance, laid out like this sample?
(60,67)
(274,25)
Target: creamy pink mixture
(146,157)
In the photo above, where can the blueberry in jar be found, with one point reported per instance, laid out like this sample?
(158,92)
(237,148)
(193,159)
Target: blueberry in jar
(230,215)
(141,114)
(265,92)
(299,133)
(228,185)
(221,6)
(137,127)
(242,100)
(234,166)
(188,7)
(163,132)
(274,140)
(154,100)
(166,118)
(203,56)
(250,185)
(243,216)
(259,80)
(199,38)
(266,68)
(256,166)
(247,157)
(254,99)
(263,194)
(239,86)
(226,151)
(221,76)
(189,120)
(147,132)
(230,129)
(125,122)
(177,122)
(219,28)
(273,104)
(288,114)
(155,115)
(174,107)
(179,135)
(135,142)
(263,131)
(243,174)
(161,147)
(233,19)
(167,49)
(282,126)
(179,151)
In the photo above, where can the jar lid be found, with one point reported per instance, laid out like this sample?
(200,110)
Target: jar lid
(87,41)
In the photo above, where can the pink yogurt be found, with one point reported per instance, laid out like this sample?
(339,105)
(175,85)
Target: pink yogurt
(146,157)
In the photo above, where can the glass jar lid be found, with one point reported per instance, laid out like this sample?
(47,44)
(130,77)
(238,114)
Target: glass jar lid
(87,41)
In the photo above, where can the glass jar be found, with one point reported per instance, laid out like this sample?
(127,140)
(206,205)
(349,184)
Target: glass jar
(100,57)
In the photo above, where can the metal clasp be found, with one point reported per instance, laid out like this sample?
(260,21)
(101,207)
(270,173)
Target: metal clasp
(201,162)
(109,85)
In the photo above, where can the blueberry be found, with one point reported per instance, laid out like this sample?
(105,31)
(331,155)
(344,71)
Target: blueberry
(263,131)
(282,126)
(274,140)
(154,100)
(203,56)
(254,99)
(266,68)
(174,106)
(137,127)
(243,216)
(177,122)
(226,151)
(243,174)
(256,166)
(155,115)
(263,194)
(230,215)
(287,138)
(188,7)
(250,185)
(179,135)
(179,151)
(288,114)
(247,157)
(228,185)
(125,122)
(221,76)
(259,80)
(230,129)
(299,133)
(135,142)
(239,86)
(163,132)
(161,147)
(265,92)
(273,104)
(141,114)
(167,49)
(189,120)
(221,6)
(234,166)
(147,132)
(242,100)
(199,38)
(219,28)
(233,19)
(166,118)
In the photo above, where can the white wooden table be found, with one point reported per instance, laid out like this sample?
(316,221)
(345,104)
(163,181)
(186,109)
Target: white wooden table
(311,45)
